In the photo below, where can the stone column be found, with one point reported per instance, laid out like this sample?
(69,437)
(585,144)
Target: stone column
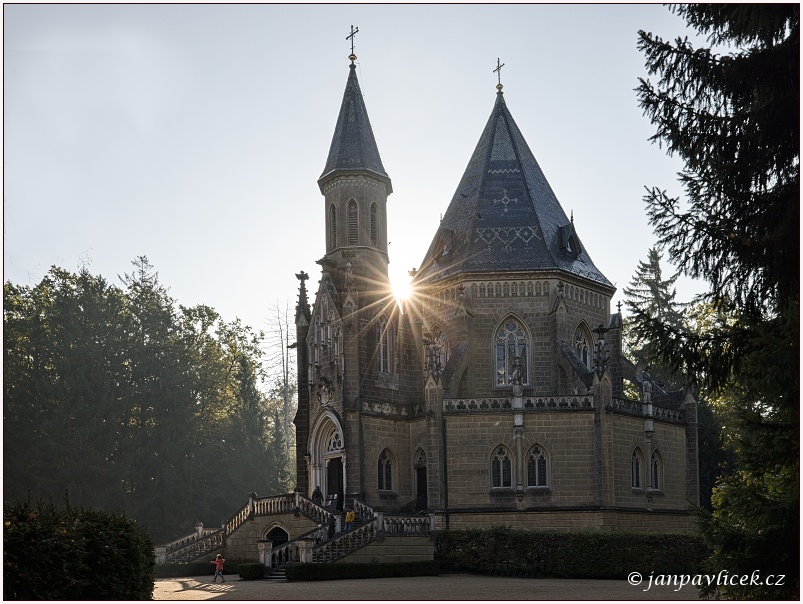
(161,554)
(265,547)
(305,549)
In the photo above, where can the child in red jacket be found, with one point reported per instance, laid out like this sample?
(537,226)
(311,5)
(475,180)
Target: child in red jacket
(218,562)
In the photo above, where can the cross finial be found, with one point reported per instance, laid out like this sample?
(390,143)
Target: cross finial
(354,30)
(498,72)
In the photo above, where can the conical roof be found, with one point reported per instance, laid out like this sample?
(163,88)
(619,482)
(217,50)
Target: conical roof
(353,145)
(504,215)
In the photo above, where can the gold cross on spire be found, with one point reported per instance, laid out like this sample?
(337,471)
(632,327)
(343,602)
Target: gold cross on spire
(354,30)
(498,72)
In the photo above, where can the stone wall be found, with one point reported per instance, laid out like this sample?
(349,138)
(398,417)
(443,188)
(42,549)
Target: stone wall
(393,549)
(242,544)
(635,521)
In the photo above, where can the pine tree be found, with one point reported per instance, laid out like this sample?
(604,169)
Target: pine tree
(649,294)
(731,113)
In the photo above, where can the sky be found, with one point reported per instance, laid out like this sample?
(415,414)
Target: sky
(195,134)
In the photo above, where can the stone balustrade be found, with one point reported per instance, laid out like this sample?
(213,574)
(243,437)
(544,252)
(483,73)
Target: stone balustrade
(407,525)
(637,408)
(529,403)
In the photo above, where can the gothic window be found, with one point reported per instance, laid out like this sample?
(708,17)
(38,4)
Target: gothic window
(501,469)
(635,469)
(384,472)
(374,237)
(511,342)
(537,467)
(387,344)
(582,348)
(656,480)
(420,457)
(332,227)
(352,222)
(437,353)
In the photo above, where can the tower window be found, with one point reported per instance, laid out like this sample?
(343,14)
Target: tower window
(332,227)
(387,344)
(374,237)
(352,222)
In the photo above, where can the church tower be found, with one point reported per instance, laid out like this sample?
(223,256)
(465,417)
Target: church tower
(355,187)
(349,336)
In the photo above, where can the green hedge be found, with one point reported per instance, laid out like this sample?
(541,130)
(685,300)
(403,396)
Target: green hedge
(65,553)
(251,570)
(373,570)
(592,554)
(199,568)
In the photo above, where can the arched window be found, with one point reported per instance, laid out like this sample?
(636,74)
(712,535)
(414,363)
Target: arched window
(582,347)
(635,469)
(656,466)
(511,343)
(352,222)
(374,236)
(332,227)
(387,343)
(384,472)
(537,467)
(501,469)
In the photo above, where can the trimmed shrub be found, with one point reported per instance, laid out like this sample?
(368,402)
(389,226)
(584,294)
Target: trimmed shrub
(592,554)
(74,554)
(251,570)
(372,570)
(198,568)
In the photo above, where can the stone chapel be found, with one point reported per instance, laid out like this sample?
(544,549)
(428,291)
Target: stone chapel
(496,394)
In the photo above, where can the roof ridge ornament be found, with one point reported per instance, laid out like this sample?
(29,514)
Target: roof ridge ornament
(352,56)
(498,72)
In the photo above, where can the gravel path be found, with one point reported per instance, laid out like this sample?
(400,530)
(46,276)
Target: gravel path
(444,587)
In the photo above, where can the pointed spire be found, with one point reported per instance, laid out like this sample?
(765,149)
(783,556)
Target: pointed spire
(504,215)
(353,145)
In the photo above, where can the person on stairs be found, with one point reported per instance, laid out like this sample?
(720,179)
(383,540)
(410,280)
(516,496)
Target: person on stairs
(349,518)
(317,496)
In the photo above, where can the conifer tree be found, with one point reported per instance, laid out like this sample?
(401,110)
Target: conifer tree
(649,294)
(731,113)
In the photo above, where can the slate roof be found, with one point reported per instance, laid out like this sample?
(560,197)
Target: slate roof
(353,145)
(504,215)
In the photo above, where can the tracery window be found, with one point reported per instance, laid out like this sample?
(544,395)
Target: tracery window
(582,348)
(501,469)
(655,471)
(374,237)
(384,472)
(511,342)
(635,469)
(537,467)
(334,442)
(352,222)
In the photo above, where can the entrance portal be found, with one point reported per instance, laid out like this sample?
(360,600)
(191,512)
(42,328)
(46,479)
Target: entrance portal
(277,536)
(334,482)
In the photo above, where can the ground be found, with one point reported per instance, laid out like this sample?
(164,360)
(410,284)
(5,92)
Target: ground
(444,587)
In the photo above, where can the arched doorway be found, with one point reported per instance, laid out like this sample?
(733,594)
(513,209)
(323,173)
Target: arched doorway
(277,536)
(328,460)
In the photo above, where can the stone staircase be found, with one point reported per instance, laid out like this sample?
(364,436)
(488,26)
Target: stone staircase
(367,527)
